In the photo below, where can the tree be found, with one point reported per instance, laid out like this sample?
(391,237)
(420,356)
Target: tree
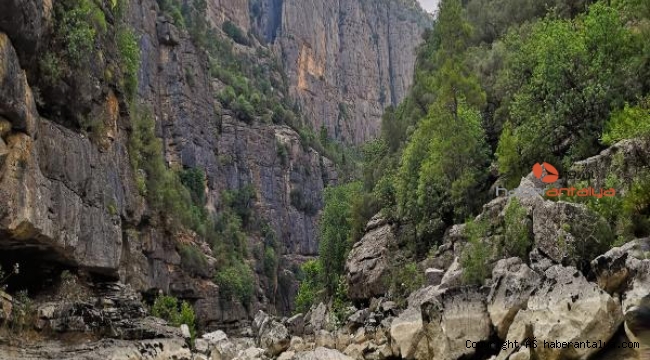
(443,165)
(563,81)
(335,229)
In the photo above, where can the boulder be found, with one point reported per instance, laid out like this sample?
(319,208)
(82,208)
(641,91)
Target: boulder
(270,334)
(453,276)
(325,339)
(407,335)
(296,324)
(565,308)
(185,331)
(453,318)
(569,233)
(514,282)
(321,353)
(358,319)
(611,268)
(251,354)
(319,318)
(368,263)
(297,344)
(433,276)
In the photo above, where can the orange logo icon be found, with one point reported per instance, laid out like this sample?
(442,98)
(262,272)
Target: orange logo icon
(546,172)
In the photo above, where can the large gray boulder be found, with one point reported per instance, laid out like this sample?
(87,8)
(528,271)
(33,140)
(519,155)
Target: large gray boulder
(321,353)
(566,308)
(452,319)
(569,233)
(407,335)
(368,263)
(626,270)
(271,335)
(513,284)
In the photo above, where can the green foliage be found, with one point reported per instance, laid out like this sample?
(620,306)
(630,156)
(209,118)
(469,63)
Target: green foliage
(194,180)
(236,281)
(518,239)
(130,59)
(241,202)
(630,122)
(335,228)
(23,312)
(340,302)
(172,8)
(475,258)
(442,171)
(298,201)
(175,312)
(283,153)
(310,289)
(51,67)
(235,33)
(404,278)
(78,24)
(443,167)
(562,80)
(161,186)
(627,213)
(194,261)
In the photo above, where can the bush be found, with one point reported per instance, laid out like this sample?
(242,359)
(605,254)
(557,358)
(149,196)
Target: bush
(169,309)
(283,153)
(241,202)
(194,180)
(270,262)
(630,122)
(243,109)
(403,280)
(235,33)
(517,240)
(127,45)
(310,288)
(194,261)
(162,187)
(77,26)
(23,312)
(227,96)
(172,9)
(236,281)
(475,258)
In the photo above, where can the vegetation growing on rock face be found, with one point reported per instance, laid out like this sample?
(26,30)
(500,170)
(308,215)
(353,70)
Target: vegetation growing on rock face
(535,78)
(175,312)
(477,253)
(500,86)
(517,234)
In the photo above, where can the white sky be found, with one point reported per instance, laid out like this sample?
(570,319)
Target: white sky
(429,5)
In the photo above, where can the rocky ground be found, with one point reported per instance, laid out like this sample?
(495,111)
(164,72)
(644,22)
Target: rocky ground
(538,299)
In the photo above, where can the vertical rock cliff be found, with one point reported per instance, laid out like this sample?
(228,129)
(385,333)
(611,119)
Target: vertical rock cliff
(346,60)
(71,194)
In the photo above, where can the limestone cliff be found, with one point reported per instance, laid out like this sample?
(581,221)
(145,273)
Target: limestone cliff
(346,60)
(70,197)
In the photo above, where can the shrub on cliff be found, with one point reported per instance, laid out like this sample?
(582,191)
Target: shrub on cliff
(236,282)
(235,33)
(475,257)
(175,312)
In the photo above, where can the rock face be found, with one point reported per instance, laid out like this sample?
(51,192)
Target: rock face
(514,282)
(567,308)
(70,197)
(454,318)
(368,262)
(348,60)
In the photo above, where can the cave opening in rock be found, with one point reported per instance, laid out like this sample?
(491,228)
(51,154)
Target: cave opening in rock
(38,269)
